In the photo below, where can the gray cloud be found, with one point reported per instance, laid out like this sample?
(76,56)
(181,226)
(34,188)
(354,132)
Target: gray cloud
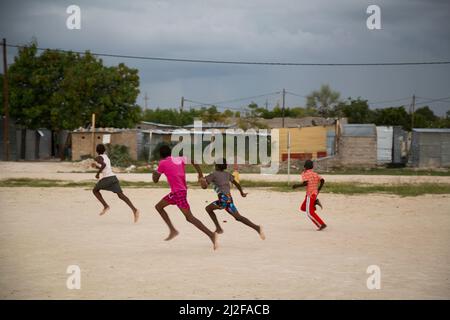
(286,30)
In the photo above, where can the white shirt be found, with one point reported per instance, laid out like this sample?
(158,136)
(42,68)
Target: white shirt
(107,171)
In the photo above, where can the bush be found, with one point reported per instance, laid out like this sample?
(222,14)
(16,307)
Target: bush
(119,155)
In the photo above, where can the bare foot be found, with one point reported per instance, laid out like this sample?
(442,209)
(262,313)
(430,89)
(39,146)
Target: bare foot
(172,235)
(136,215)
(219,231)
(215,240)
(105,209)
(261,233)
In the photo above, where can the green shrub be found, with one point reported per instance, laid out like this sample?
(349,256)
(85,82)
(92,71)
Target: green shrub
(119,155)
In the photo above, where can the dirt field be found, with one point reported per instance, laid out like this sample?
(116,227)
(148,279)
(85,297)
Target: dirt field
(43,231)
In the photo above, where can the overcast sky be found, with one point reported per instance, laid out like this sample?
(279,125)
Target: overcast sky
(253,30)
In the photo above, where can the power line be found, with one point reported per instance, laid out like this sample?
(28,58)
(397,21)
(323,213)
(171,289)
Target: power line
(200,104)
(296,94)
(205,104)
(389,101)
(433,100)
(217,104)
(236,62)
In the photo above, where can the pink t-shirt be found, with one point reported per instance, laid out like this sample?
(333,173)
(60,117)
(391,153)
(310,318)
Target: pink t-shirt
(173,168)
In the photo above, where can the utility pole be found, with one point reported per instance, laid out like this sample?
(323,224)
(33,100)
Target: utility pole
(267,104)
(182,104)
(145,100)
(282,110)
(413,106)
(93,135)
(5,104)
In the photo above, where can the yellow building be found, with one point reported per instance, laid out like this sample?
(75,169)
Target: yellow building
(305,143)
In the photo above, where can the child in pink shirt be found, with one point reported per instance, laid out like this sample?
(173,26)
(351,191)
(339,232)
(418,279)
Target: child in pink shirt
(174,169)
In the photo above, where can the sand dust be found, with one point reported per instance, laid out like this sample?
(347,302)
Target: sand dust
(44,230)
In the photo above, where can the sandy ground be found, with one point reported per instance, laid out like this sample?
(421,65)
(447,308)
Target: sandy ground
(65,171)
(43,231)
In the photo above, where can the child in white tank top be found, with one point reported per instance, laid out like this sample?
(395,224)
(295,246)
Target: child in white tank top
(108,181)
(107,171)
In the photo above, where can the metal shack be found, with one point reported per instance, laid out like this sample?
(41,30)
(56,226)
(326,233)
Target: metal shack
(385,139)
(430,148)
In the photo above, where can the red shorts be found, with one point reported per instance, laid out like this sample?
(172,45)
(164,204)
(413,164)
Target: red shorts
(178,198)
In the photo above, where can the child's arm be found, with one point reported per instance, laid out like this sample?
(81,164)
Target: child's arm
(243,194)
(322,181)
(198,169)
(100,168)
(299,185)
(155,174)
(205,181)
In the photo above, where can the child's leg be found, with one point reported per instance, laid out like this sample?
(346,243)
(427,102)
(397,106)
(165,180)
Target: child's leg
(124,198)
(318,203)
(99,196)
(244,220)
(160,208)
(190,218)
(303,205)
(210,209)
(311,211)
(247,222)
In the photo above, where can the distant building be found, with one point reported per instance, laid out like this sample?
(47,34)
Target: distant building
(32,144)
(299,122)
(222,126)
(309,137)
(83,146)
(385,139)
(306,143)
(147,125)
(357,145)
(430,148)
(400,145)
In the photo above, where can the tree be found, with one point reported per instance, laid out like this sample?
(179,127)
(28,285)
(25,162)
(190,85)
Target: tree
(211,114)
(424,117)
(60,90)
(393,116)
(323,100)
(355,110)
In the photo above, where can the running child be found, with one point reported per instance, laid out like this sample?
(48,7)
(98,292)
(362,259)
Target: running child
(221,180)
(174,169)
(314,184)
(109,182)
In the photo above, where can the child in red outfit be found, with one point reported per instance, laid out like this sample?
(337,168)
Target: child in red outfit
(313,183)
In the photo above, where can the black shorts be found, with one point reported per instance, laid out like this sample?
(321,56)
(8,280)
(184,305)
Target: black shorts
(109,183)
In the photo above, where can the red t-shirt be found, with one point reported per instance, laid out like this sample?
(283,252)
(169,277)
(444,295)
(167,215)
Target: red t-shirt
(313,181)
